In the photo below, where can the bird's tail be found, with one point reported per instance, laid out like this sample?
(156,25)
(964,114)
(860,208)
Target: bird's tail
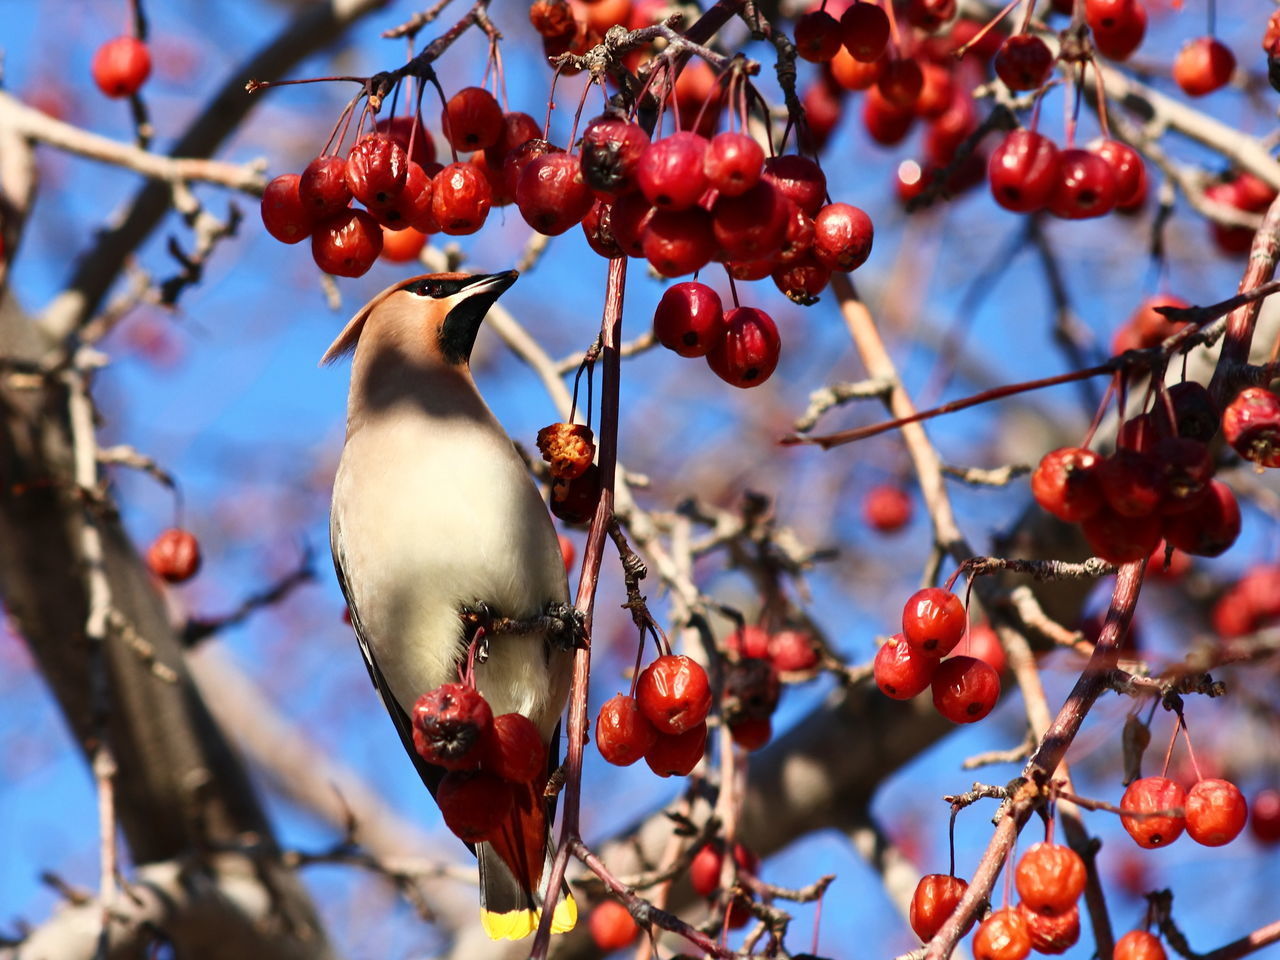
(512,865)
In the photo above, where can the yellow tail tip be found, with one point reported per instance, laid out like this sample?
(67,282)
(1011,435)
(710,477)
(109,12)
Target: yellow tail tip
(518,924)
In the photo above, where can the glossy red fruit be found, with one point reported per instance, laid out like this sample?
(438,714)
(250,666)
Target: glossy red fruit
(1118,26)
(376,170)
(679,242)
(674,694)
(1120,539)
(284,214)
(864,31)
(1216,812)
(747,354)
(934,620)
(597,226)
(121,66)
(792,651)
(1210,526)
(751,733)
(689,319)
(675,755)
(933,902)
(802,280)
(1023,62)
(965,689)
(174,556)
(887,508)
(346,244)
(460,199)
(1066,483)
(670,171)
(1264,820)
(323,187)
(552,195)
(1051,934)
(984,643)
(1139,945)
(1128,167)
(1085,186)
(623,733)
(515,751)
(1147,796)
(402,130)
(476,805)
(612,926)
(517,159)
(1002,936)
(611,151)
(1203,65)
(472,119)
(733,163)
(413,207)
(798,179)
(402,246)
(1251,424)
(902,671)
(452,726)
(1023,171)
(1050,878)
(842,236)
(818,36)
(797,243)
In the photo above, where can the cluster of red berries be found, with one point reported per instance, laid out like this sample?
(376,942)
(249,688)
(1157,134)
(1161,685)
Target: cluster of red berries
(1246,193)
(934,621)
(569,450)
(752,686)
(486,756)
(706,868)
(741,345)
(1028,173)
(121,66)
(665,721)
(1049,879)
(1249,604)
(1213,812)
(1157,484)
(174,556)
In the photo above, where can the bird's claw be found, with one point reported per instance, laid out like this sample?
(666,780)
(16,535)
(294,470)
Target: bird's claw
(567,625)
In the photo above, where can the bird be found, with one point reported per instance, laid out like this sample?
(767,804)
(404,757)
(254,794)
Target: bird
(435,515)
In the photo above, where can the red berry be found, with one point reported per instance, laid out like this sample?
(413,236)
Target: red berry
(1203,65)
(747,354)
(792,651)
(1139,945)
(674,694)
(751,689)
(748,642)
(704,869)
(1085,186)
(623,733)
(347,243)
(1066,483)
(1210,526)
(1129,169)
(901,83)
(1120,539)
(323,187)
(799,179)
(628,219)
(886,123)
(552,195)
(1147,796)
(818,36)
(475,805)
(887,508)
(864,30)
(611,151)
(121,66)
(1251,424)
(984,643)
(460,199)
(515,751)
(678,242)
(174,556)
(802,280)
(733,163)
(472,119)
(1023,62)
(1022,171)
(1265,819)
(1051,934)
(517,159)
(853,74)
(284,214)
(752,225)
(938,92)
(568,551)
(797,242)
(1216,812)
(452,726)
(842,236)
(413,207)
(1002,936)
(676,755)
(1131,482)
(935,899)
(597,227)
(402,129)
(965,689)
(1050,878)
(934,620)
(402,246)
(901,670)
(1118,26)
(751,733)
(612,926)
(376,170)
(1151,326)
(670,171)
(689,319)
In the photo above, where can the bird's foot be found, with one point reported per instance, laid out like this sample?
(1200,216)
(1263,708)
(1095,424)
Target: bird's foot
(480,625)
(566,625)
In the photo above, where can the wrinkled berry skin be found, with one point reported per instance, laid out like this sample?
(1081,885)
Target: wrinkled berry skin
(451,726)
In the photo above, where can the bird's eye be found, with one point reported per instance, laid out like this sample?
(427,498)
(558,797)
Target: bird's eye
(426,288)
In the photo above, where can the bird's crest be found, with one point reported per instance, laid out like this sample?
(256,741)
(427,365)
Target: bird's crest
(346,340)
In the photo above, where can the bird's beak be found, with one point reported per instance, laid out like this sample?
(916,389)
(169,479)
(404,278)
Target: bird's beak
(469,306)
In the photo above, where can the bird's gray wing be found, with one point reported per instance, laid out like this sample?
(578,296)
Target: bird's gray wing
(430,773)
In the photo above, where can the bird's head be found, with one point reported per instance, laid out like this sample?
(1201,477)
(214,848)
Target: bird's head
(439,313)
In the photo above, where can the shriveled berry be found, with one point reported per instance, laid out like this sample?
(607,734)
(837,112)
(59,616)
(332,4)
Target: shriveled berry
(612,926)
(1051,934)
(121,66)
(934,620)
(674,694)
(460,199)
(1149,795)
(284,214)
(965,689)
(402,130)
(520,157)
(376,170)
(568,448)
(1216,812)
(1002,936)
(323,188)
(675,755)
(472,119)
(1066,483)
(575,501)
(597,227)
(552,195)
(802,280)
(1022,171)
(413,207)
(733,163)
(933,902)
(842,236)
(751,689)
(798,179)
(1251,424)
(476,805)
(670,171)
(452,725)
(623,733)
(628,218)
(611,151)
(1195,415)
(347,243)
(864,30)
(1023,62)
(747,354)
(1139,945)
(689,319)
(902,671)
(174,556)
(1050,878)
(515,751)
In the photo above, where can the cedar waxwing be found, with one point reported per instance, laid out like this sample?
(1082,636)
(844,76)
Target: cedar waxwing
(434,513)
